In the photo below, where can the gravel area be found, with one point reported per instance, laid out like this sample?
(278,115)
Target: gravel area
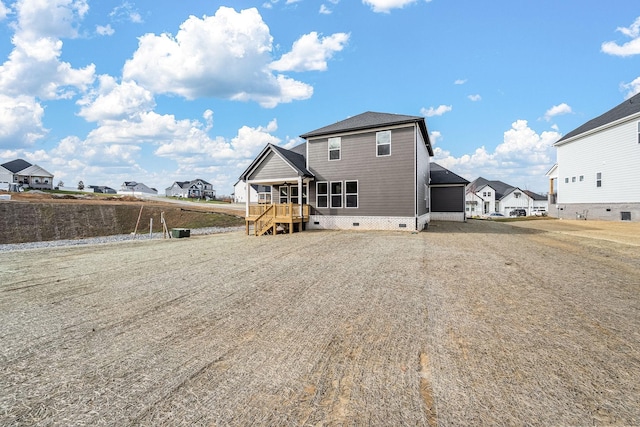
(108,239)
(478,323)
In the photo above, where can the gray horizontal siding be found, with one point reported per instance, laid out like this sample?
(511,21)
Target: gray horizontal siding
(273,167)
(385,184)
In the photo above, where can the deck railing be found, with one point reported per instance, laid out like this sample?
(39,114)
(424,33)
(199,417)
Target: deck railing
(280,210)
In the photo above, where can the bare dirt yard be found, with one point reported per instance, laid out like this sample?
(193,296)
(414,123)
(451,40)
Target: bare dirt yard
(478,323)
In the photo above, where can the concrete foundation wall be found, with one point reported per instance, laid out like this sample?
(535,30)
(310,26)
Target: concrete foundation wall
(596,211)
(448,216)
(327,222)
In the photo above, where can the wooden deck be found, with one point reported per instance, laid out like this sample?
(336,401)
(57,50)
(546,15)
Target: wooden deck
(274,218)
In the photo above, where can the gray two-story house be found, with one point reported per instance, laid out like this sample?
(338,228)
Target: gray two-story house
(370,171)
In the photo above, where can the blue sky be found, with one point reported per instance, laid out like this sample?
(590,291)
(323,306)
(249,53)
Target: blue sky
(159,91)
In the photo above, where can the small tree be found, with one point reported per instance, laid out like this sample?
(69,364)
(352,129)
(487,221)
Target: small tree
(80,185)
(60,184)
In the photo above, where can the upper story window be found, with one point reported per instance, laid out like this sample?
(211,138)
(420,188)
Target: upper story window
(599,179)
(335,148)
(638,132)
(383,143)
(517,194)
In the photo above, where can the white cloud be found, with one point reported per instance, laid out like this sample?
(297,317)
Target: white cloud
(632,87)
(113,101)
(460,81)
(34,67)
(4,11)
(438,111)
(126,12)
(475,98)
(385,6)
(521,159)
(49,18)
(310,53)
(226,55)
(105,30)
(435,136)
(20,121)
(557,110)
(324,10)
(629,48)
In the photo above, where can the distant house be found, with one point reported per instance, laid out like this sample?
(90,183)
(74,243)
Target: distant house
(370,171)
(133,188)
(447,194)
(102,189)
(196,189)
(257,193)
(596,175)
(22,173)
(484,196)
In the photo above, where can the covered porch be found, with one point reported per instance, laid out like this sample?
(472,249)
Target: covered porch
(287,212)
(276,218)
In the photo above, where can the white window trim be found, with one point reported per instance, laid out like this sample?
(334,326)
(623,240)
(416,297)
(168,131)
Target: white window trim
(357,194)
(389,143)
(331,194)
(329,150)
(280,194)
(325,194)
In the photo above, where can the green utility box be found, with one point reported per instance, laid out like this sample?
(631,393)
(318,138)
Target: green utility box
(179,233)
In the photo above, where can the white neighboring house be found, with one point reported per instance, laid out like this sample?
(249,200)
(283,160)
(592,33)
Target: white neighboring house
(484,197)
(196,189)
(19,172)
(132,188)
(257,193)
(596,175)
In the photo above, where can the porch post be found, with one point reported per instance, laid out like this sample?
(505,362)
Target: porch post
(246,206)
(300,199)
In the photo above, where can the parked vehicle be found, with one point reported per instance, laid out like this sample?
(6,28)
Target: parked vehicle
(518,212)
(493,215)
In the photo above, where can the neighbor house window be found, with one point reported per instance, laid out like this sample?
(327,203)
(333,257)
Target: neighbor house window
(351,194)
(383,143)
(566,180)
(581,178)
(599,179)
(334,148)
(322,195)
(573,179)
(517,194)
(336,194)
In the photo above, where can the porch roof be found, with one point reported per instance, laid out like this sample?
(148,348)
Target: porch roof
(293,158)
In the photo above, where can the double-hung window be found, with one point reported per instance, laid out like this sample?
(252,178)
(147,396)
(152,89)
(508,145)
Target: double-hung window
(322,195)
(335,148)
(336,194)
(284,194)
(599,179)
(638,132)
(351,194)
(383,143)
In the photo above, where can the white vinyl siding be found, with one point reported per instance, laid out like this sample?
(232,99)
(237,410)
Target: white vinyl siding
(614,153)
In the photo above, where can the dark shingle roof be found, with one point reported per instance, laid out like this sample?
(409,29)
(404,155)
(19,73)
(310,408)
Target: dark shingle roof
(500,187)
(440,175)
(627,108)
(371,120)
(16,166)
(534,196)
